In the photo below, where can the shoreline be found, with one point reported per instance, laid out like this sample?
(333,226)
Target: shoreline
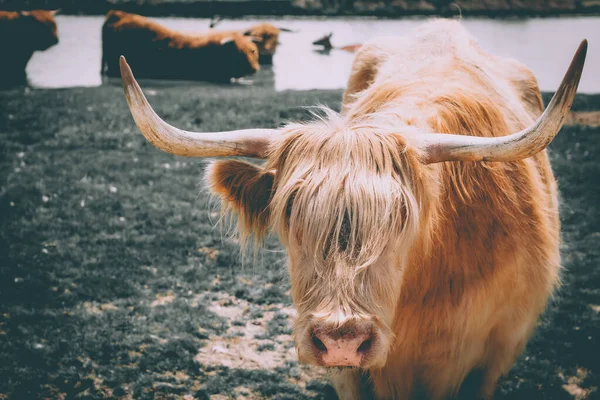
(316,8)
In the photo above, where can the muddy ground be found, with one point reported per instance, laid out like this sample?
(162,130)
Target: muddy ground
(116,280)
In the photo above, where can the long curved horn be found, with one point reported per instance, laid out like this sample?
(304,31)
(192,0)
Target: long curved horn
(517,146)
(244,142)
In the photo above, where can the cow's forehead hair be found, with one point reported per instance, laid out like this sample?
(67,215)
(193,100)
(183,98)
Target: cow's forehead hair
(345,189)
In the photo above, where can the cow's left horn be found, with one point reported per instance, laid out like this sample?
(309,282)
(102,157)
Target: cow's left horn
(244,142)
(517,146)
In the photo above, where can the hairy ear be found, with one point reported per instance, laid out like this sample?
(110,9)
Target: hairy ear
(245,189)
(226,40)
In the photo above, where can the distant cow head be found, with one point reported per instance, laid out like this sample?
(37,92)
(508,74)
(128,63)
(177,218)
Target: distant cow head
(348,200)
(39,28)
(324,41)
(242,55)
(266,37)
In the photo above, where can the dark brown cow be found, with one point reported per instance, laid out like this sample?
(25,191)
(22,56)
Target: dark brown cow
(158,52)
(22,33)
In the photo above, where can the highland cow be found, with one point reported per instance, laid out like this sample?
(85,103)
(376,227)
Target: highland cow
(157,52)
(421,223)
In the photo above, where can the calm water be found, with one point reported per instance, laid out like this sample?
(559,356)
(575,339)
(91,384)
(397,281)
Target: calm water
(545,45)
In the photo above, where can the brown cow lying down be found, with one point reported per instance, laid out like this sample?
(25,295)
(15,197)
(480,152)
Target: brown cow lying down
(158,52)
(22,33)
(421,223)
(266,38)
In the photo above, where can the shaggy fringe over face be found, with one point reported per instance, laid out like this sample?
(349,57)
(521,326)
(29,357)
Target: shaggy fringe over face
(342,192)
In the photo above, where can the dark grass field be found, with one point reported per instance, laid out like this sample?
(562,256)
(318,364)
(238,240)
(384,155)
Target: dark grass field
(116,280)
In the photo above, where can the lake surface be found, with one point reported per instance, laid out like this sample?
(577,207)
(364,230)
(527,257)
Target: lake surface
(544,45)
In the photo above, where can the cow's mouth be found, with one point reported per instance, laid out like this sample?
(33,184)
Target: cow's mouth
(340,369)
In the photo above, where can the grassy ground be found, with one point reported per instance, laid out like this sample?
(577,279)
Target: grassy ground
(116,282)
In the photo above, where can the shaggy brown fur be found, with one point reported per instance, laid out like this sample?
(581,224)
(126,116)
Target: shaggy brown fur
(157,52)
(455,261)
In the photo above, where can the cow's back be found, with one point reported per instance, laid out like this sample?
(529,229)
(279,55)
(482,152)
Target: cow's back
(154,51)
(134,36)
(444,51)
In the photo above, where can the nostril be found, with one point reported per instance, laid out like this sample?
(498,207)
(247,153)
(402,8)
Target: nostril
(365,346)
(318,343)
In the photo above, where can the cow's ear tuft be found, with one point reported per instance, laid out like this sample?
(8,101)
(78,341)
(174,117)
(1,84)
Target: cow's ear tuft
(245,189)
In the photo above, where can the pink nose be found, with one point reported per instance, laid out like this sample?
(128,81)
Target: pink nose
(344,347)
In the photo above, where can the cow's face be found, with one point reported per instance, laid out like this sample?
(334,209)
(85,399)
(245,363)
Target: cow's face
(324,41)
(266,37)
(39,27)
(344,207)
(242,55)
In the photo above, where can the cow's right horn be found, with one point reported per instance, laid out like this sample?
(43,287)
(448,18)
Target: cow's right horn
(243,142)
(516,146)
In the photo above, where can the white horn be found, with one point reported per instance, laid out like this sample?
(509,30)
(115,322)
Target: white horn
(244,142)
(517,146)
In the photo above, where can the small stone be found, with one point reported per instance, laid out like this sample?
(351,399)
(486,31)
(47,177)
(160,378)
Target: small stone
(219,349)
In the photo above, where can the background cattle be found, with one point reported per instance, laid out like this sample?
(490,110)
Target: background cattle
(265,35)
(325,41)
(21,34)
(421,223)
(158,52)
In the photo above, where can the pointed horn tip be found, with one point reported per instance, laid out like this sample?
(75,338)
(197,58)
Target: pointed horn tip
(580,54)
(582,49)
(577,63)
(129,82)
(125,69)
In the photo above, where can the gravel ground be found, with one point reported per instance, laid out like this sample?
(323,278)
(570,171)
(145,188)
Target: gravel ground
(117,282)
